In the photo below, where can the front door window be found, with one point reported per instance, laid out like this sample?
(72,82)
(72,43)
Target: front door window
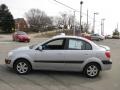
(57,44)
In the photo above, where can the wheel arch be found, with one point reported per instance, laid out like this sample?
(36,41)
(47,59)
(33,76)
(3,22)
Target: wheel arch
(93,62)
(18,59)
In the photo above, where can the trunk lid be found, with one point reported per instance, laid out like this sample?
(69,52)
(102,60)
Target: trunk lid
(105,47)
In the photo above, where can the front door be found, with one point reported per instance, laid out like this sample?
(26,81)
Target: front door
(52,55)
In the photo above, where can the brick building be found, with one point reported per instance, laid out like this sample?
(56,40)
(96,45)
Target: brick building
(20,24)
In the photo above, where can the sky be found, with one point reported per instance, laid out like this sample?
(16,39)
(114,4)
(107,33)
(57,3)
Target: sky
(107,9)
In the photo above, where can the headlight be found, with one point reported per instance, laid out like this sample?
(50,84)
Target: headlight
(10,53)
(28,37)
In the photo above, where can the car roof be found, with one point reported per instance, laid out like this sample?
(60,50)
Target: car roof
(74,37)
(66,36)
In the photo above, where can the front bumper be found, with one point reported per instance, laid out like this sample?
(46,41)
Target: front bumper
(7,61)
(24,40)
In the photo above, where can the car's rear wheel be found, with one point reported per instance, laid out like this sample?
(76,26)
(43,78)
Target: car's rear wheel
(22,67)
(92,70)
(98,39)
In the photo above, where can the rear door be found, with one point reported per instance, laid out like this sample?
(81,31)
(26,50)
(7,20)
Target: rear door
(76,53)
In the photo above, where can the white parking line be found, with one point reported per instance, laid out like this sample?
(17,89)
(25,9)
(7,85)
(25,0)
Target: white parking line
(7,42)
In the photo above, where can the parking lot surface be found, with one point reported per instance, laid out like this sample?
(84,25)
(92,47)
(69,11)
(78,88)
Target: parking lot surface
(52,80)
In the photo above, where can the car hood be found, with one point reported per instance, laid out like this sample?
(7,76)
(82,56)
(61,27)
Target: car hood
(23,36)
(105,47)
(21,48)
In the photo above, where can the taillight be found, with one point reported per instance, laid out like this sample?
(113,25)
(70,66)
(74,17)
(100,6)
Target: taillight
(107,53)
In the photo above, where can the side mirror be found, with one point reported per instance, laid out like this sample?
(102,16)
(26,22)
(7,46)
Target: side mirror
(40,48)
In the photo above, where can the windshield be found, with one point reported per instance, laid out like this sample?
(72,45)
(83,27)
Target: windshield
(21,33)
(32,46)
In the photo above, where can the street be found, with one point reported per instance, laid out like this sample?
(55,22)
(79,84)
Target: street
(52,80)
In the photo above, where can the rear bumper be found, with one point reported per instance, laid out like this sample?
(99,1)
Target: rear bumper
(107,62)
(107,65)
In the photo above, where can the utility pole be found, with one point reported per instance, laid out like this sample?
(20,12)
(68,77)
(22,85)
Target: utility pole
(102,26)
(117,26)
(81,2)
(74,25)
(93,31)
(87,21)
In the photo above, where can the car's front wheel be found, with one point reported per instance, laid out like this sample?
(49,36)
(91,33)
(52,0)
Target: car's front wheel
(92,70)
(28,41)
(22,67)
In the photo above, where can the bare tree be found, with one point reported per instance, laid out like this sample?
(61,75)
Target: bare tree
(64,20)
(70,21)
(37,19)
(85,27)
(57,21)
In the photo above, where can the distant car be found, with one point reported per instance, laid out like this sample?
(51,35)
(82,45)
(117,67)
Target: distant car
(108,36)
(20,36)
(97,37)
(116,37)
(62,53)
(85,35)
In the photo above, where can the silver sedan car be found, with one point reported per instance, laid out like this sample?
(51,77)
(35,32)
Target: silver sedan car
(61,53)
(97,37)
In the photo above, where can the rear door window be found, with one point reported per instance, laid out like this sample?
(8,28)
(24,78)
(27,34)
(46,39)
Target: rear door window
(79,45)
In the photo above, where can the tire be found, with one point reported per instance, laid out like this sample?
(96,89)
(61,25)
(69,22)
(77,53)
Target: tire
(16,39)
(98,39)
(22,67)
(13,39)
(91,70)
(28,41)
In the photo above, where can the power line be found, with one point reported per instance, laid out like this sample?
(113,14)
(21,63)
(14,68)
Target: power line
(73,9)
(68,6)
(65,5)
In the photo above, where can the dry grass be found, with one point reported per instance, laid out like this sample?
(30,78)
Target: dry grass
(52,33)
